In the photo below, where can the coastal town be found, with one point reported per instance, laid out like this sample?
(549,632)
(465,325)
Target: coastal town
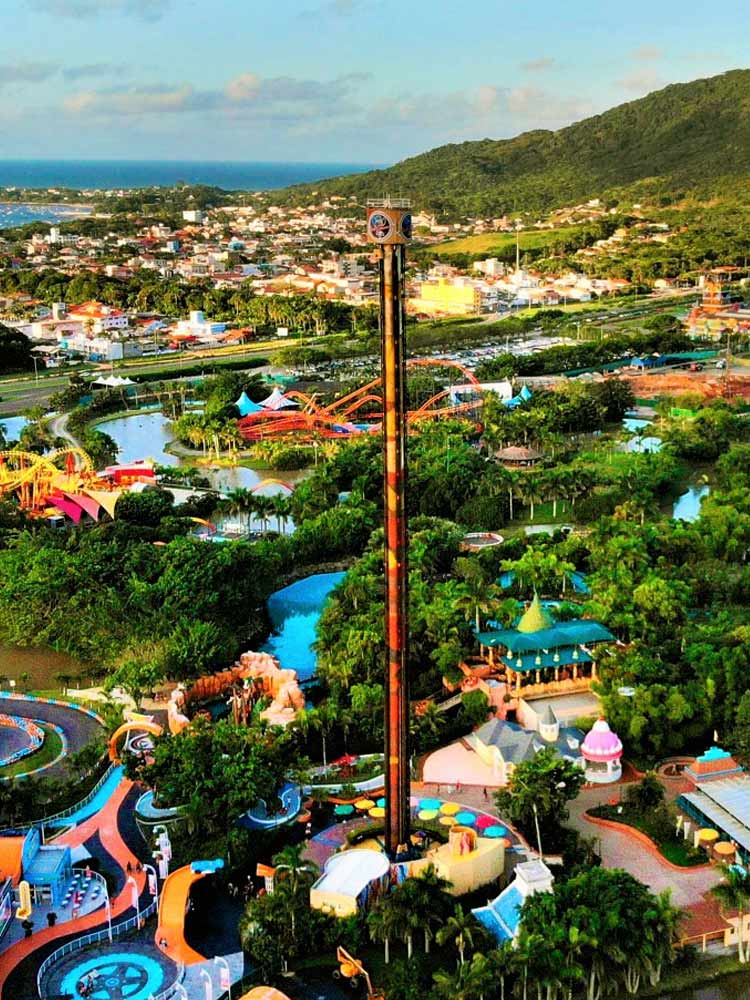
(374,503)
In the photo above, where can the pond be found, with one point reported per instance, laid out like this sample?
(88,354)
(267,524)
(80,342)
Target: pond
(295,611)
(40,662)
(147,434)
(734,987)
(687,507)
(640,442)
(12,427)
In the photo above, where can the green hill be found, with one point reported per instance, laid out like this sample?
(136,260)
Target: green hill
(687,140)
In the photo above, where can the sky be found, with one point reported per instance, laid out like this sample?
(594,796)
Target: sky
(355,81)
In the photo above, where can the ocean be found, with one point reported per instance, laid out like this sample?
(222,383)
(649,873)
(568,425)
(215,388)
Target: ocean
(89,175)
(106,174)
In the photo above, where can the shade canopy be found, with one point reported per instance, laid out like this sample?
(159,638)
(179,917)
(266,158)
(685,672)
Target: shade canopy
(427,814)
(378,812)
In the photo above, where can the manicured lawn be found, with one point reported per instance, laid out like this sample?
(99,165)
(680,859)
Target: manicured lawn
(496,242)
(49,750)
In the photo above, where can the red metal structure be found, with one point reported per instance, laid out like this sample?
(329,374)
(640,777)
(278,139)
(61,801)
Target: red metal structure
(364,404)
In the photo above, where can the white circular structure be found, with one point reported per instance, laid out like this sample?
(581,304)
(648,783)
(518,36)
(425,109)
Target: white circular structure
(602,752)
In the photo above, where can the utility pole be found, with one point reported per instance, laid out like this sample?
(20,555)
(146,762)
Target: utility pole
(389,227)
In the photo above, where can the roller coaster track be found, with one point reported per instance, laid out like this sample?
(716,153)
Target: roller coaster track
(33,476)
(326,421)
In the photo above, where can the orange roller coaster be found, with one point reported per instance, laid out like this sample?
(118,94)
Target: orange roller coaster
(364,404)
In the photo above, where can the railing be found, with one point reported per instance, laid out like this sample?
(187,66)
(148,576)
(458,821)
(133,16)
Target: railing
(76,944)
(84,801)
(65,812)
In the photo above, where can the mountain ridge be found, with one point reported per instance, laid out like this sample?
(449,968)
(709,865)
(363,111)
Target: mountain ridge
(684,140)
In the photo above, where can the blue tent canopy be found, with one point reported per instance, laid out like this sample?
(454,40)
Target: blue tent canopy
(245,405)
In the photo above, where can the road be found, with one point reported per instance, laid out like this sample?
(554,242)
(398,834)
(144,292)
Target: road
(58,427)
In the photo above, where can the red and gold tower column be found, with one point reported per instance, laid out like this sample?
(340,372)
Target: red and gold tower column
(389,226)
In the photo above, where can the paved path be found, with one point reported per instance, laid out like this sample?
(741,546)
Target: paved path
(79,728)
(107,824)
(621,850)
(58,427)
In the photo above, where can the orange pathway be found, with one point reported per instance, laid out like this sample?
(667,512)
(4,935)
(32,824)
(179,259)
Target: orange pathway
(105,823)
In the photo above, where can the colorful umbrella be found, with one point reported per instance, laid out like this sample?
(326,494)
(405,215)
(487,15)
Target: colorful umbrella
(450,808)
(364,804)
(494,831)
(343,810)
(466,818)
(484,821)
(378,812)
(381,803)
(430,803)
(447,820)
(427,814)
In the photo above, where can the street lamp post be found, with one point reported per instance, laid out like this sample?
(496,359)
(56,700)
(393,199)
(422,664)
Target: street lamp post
(209,984)
(152,871)
(224,966)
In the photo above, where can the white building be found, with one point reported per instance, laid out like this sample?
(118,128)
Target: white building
(198,326)
(194,215)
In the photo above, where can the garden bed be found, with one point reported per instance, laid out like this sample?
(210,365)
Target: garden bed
(678,852)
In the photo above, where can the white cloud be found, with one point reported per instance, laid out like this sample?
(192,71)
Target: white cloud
(26,72)
(642,80)
(149,10)
(133,101)
(648,53)
(243,87)
(535,65)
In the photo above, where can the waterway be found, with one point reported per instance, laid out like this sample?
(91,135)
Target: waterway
(295,611)
(687,507)
(734,987)
(148,434)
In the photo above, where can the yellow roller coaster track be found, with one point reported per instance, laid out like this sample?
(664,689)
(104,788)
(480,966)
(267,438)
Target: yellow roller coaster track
(32,477)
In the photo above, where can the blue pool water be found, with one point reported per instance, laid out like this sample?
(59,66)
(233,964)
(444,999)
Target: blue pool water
(98,802)
(642,442)
(295,611)
(125,976)
(688,506)
(12,427)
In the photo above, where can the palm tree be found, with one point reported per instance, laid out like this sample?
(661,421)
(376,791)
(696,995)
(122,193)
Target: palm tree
(461,929)
(294,875)
(281,507)
(431,901)
(382,924)
(734,894)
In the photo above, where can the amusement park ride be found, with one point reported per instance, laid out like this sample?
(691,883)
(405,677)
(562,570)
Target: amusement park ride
(65,482)
(364,405)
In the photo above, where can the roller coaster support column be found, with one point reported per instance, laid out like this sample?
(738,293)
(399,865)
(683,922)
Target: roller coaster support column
(389,226)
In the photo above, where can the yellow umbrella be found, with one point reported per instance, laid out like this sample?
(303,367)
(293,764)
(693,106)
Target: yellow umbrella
(724,848)
(378,812)
(448,820)
(708,835)
(365,805)
(450,808)
(427,814)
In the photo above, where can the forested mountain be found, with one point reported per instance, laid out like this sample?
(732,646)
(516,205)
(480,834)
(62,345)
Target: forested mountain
(689,139)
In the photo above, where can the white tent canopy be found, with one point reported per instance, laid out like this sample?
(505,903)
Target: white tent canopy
(113,381)
(278,401)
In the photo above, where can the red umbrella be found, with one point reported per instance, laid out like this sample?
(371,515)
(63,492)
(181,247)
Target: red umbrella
(346,760)
(484,821)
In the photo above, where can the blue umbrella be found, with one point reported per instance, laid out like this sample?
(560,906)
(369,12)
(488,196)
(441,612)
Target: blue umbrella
(466,818)
(430,803)
(495,831)
(381,803)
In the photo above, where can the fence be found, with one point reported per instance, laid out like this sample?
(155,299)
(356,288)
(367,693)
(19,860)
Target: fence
(21,827)
(76,944)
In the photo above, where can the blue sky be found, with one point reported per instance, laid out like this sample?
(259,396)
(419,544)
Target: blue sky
(367,81)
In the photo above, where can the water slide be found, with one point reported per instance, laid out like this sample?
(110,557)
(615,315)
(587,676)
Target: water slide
(139,724)
(175,893)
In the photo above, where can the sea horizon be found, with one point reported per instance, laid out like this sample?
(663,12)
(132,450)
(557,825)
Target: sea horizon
(116,174)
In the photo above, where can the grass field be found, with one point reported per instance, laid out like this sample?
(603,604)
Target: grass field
(49,750)
(492,243)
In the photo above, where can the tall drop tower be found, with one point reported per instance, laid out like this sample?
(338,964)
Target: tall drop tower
(389,226)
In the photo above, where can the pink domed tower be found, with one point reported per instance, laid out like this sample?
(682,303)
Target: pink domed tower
(602,752)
